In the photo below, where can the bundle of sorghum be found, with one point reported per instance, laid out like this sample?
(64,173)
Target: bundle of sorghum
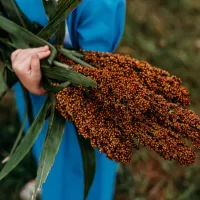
(117,104)
(133,103)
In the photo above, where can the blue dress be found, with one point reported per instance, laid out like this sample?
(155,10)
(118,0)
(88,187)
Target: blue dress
(95,25)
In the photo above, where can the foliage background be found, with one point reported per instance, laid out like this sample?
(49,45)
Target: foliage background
(166,33)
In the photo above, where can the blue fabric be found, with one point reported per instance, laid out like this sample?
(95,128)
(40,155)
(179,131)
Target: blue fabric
(95,25)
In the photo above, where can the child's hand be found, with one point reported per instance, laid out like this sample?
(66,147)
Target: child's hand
(26,65)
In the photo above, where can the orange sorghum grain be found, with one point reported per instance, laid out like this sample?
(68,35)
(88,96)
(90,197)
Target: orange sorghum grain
(132,100)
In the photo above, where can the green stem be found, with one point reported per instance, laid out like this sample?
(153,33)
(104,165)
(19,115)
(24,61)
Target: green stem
(7,43)
(77,54)
(59,87)
(59,64)
(72,56)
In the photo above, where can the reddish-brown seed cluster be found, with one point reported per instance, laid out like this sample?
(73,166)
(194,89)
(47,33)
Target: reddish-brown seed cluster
(133,103)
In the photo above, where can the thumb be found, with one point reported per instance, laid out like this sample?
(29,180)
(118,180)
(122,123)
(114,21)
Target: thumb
(35,65)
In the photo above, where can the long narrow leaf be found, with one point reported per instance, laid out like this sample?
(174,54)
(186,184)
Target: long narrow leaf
(3,86)
(14,13)
(59,87)
(69,54)
(27,141)
(64,74)
(89,163)
(61,14)
(60,35)
(6,54)
(16,16)
(27,36)
(39,179)
(49,7)
(11,78)
(50,148)
(19,42)
(28,105)
(20,134)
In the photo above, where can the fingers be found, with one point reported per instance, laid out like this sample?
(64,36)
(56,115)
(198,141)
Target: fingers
(23,67)
(42,55)
(35,65)
(28,52)
(15,54)
(36,74)
(26,65)
(21,58)
(21,54)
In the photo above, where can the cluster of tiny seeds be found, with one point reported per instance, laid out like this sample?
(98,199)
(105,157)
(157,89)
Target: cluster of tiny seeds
(154,78)
(128,105)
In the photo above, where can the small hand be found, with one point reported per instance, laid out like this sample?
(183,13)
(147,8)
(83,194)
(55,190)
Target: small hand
(26,65)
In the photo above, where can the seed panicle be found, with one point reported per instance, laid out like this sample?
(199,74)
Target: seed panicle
(132,101)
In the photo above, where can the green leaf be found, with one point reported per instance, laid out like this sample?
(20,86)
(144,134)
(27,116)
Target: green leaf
(27,141)
(7,44)
(19,42)
(14,13)
(11,78)
(60,35)
(63,74)
(3,86)
(50,7)
(59,87)
(28,105)
(8,79)
(16,16)
(72,56)
(27,36)
(20,134)
(50,148)
(64,8)
(89,163)
(6,54)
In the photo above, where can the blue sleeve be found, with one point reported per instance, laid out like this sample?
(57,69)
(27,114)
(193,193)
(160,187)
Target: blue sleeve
(101,25)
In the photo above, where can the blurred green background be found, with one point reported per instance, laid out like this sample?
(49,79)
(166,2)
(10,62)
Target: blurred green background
(165,33)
